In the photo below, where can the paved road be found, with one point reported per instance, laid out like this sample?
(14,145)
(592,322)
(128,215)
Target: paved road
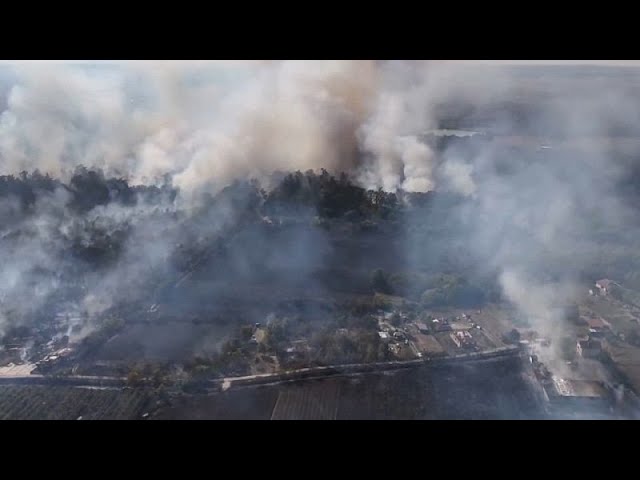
(73,380)
(360,368)
(272,378)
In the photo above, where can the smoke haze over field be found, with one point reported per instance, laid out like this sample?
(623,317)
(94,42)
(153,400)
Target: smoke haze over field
(533,218)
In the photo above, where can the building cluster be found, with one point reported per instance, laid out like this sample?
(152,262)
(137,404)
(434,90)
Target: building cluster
(31,350)
(579,393)
(603,287)
(570,394)
(395,337)
(589,391)
(425,334)
(54,358)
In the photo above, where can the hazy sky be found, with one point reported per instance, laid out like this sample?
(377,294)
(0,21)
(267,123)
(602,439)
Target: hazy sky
(236,63)
(625,63)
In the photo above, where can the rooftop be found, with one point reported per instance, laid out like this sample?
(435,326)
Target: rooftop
(13,370)
(596,322)
(590,343)
(579,388)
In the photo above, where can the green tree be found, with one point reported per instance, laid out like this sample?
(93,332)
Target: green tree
(513,336)
(246,331)
(380,281)
(395,320)
(432,297)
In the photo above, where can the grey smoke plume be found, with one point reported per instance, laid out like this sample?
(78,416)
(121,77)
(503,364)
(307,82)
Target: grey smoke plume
(147,121)
(538,215)
(206,124)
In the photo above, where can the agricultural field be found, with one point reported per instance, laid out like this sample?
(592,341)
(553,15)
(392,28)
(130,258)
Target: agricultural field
(242,404)
(490,389)
(427,344)
(71,403)
(313,401)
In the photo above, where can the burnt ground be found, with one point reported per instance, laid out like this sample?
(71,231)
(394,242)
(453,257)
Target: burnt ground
(171,341)
(294,270)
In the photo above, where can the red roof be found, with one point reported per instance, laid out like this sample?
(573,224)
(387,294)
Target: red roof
(596,322)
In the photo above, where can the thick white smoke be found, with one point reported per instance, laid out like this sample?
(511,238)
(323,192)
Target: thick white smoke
(206,124)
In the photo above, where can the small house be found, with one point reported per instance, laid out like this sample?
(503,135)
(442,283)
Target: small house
(604,286)
(422,327)
(597,324)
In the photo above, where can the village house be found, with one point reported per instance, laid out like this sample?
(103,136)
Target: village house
(422,327)
(598,327)
(604,286)
(298,350)
(383,335)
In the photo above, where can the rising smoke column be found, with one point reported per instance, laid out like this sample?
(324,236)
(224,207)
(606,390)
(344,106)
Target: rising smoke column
(537,216)
(207,124)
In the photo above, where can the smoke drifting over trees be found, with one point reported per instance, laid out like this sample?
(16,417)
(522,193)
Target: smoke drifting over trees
(149,169)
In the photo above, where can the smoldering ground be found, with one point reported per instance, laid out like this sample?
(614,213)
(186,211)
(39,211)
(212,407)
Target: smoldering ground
(535,222)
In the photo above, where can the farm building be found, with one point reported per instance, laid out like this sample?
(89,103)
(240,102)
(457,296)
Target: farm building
(589,348)
(383,335)
(597,325)
(578,393)
(298,349)
(422,327)
(604,286)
